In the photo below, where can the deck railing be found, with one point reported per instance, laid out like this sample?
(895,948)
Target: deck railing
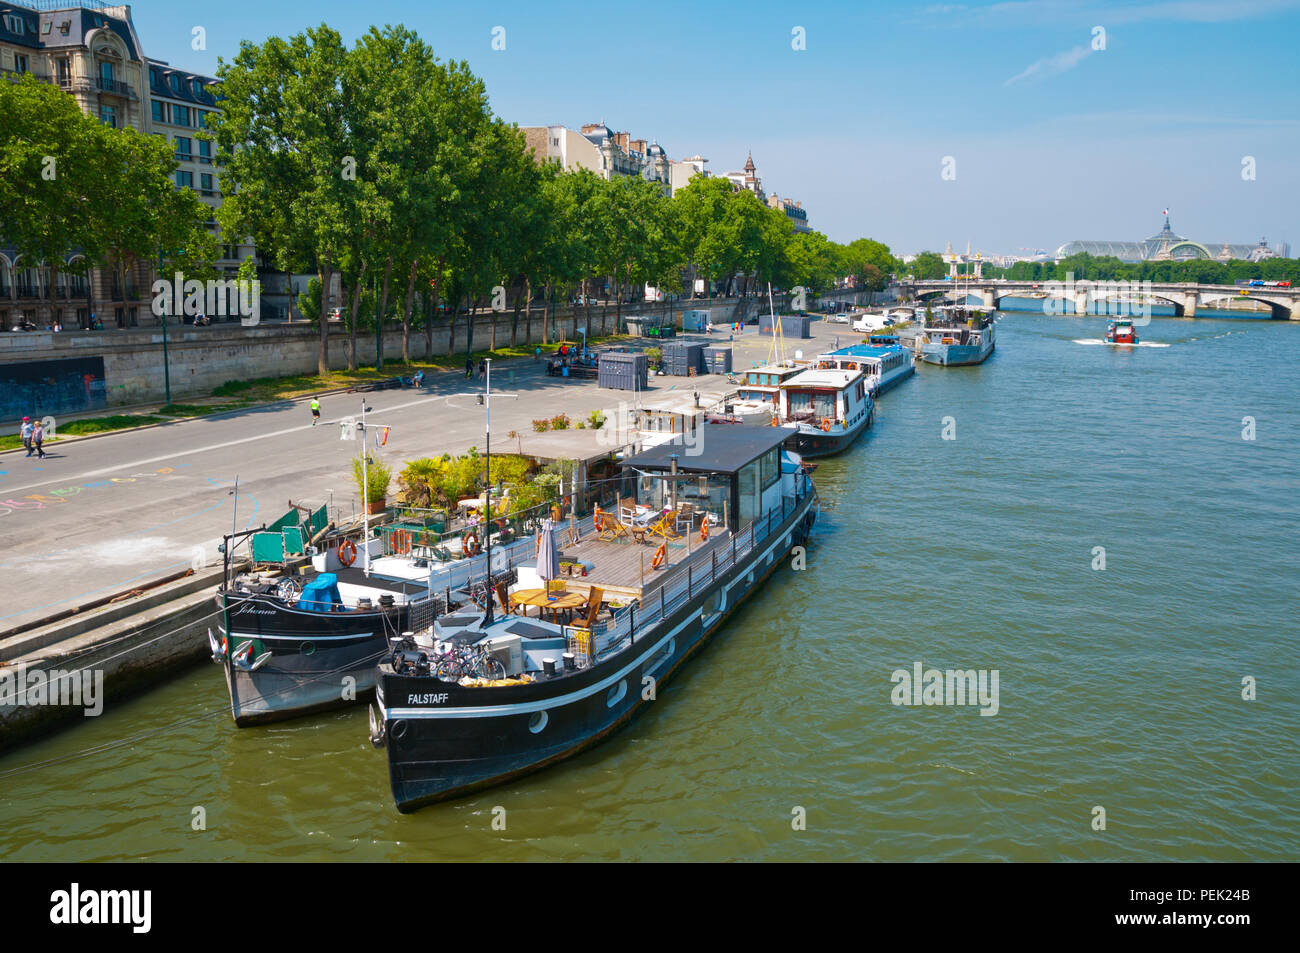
(695,575)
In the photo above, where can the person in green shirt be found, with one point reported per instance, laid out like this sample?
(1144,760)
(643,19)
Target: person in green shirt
(315,411)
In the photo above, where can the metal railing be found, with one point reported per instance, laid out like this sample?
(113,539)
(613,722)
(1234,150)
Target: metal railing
(691,577)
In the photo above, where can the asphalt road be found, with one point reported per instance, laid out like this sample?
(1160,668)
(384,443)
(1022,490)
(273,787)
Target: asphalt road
(100,516)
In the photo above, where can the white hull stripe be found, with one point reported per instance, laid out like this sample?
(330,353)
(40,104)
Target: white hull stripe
(524,708)
(301,638)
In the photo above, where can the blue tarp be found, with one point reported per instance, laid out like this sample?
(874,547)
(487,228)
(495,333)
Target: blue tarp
(321,594)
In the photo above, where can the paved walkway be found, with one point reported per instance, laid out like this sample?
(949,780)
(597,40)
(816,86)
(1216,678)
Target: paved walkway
(99,516)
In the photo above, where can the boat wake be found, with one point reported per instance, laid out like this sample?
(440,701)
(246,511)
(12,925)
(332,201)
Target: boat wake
(1111,344)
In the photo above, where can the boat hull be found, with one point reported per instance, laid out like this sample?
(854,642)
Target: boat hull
(443,740)
(956,355)
(812,441)
(318,661)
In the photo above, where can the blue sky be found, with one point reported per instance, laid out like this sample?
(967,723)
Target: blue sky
(1053,139)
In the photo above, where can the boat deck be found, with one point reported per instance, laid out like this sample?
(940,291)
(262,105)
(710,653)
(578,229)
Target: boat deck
(623,568)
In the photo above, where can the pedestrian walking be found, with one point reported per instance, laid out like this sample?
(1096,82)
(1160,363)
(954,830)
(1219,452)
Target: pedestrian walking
(537,354)
(38,438)
(469,367)
(26,433)
(482,368)
(315,411)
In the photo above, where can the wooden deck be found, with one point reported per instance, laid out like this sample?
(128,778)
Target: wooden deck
(618,567)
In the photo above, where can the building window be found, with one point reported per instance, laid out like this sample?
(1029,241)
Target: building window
(176,84)
(106,73)
(15,25)
(158,111)
(180,115)
(205,151)
(20,63)
(108,116)
(201,118)
(205,183)
(184,179)
(65,73)
(183,149)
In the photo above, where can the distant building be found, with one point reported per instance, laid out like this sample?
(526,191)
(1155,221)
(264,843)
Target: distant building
(749,179)
(91,51)
(681,171)
(598,148)
(1165,245)
(179,104)
(794,211)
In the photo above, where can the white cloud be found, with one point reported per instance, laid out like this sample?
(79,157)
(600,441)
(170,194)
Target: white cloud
(1052,65)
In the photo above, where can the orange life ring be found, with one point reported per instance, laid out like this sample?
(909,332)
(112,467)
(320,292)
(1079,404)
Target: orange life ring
(660,555)
(704,530)
(470,544)
(400,541)
(556,513)
(347,552)
(600,526)
(826,425)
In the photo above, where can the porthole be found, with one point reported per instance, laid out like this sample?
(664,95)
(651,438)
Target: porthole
(398,731)
(615,694)
(538,721)
(308,648)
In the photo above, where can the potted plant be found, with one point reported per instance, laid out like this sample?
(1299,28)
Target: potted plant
(373,486)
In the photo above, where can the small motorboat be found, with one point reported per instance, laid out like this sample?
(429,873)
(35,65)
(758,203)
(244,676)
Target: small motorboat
(1121,332)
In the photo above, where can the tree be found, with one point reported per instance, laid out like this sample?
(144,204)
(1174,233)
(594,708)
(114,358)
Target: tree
(287,153)
(929,265)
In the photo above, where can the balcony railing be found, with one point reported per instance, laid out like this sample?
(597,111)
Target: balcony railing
(114,86)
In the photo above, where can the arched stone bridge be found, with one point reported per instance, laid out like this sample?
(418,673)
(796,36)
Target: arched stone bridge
(1284,303)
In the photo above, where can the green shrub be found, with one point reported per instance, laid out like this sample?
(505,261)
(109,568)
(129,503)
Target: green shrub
(541,426)
(378,475)
(560,422)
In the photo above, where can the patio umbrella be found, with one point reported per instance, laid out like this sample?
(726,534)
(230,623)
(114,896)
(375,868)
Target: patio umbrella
(548,556)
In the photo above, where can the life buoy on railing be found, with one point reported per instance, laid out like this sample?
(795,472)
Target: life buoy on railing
(704,530)
(600,526)
(347,552)
(470,544)
(826,425)
(774,420)
(557,514)
(400,541)
(660,555)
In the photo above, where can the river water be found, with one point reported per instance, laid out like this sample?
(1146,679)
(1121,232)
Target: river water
(1118,688)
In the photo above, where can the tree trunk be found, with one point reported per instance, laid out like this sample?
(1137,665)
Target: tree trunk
(528,311)
(433,312)
(381,313)
(406,312)
(326,279)
(355,309)
(493,315)
(546,312)
(288,281)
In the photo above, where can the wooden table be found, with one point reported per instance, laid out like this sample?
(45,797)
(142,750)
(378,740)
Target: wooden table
(537,597)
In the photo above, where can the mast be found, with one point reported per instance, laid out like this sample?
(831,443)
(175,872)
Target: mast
(487,490)
(365,499)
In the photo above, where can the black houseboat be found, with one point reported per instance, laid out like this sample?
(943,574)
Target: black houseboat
(699,527)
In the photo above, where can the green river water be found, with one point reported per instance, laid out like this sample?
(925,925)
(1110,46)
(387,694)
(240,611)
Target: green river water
(1118,688)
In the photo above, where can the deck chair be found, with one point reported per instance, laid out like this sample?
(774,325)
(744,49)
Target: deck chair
(684,518)
(614,530)
(503,596)
(627,511)
(665,526)
(594,600)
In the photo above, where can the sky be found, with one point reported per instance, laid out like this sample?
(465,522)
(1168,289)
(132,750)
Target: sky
(1011,126)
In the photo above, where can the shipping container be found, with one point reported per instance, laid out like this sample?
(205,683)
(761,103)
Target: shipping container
(623,370)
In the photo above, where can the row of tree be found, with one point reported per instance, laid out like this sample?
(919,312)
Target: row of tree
(384,167)
(76,194)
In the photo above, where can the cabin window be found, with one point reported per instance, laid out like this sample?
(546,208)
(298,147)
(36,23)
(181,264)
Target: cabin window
(748,491)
